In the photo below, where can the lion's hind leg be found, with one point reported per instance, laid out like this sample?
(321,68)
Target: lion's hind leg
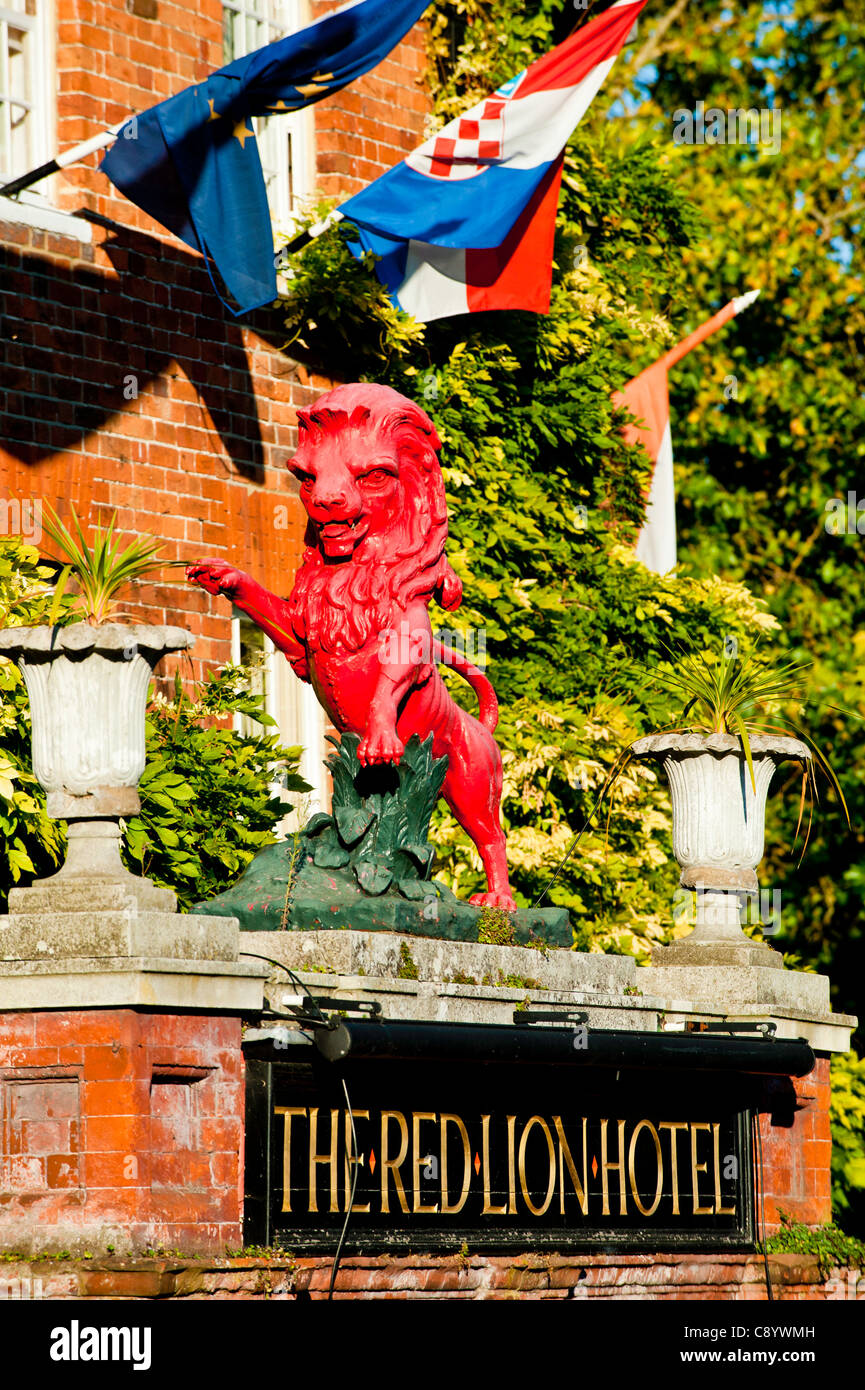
(473,790)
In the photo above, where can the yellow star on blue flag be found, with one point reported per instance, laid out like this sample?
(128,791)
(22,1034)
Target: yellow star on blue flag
(192,161)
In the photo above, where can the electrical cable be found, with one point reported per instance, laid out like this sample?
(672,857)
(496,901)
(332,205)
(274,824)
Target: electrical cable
(355,1152)
(356,1160)
(770,1297)
(298,983)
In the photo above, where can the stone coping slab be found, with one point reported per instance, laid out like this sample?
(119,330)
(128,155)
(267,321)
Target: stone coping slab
(393,954)
(494,999)
(115,934)
(133,982)
(737,985)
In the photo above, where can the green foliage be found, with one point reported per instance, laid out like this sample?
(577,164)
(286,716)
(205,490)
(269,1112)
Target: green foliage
(757,470)
(30,843)
(380,818)
(407,967)
(834,1249)
(848,1135)
(545,499)
(496,927)
(207,801)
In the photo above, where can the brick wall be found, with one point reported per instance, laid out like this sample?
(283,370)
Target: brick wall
(797,1154)
(432,1278)
(125,383)
(120,1128)
(373,124)
(126,1128)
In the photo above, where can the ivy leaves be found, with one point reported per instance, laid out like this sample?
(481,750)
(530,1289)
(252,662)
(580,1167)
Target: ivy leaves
(208,800)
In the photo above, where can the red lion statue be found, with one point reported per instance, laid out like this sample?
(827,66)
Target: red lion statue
(356,624)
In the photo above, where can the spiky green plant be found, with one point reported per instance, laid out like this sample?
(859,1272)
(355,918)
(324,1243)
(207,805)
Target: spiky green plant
(100,569)
(729,694)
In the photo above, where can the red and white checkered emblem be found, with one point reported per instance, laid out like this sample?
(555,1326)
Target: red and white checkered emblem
(466,147)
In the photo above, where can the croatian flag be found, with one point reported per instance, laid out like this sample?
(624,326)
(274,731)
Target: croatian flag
(467,221)
(647,397)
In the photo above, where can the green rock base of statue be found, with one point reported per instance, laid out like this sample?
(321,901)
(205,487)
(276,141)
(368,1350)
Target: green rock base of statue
(367,866)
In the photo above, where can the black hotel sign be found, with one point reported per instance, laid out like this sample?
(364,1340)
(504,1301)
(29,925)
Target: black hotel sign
(497,1153)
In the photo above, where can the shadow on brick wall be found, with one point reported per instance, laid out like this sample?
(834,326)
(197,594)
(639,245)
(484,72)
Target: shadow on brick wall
(81,345)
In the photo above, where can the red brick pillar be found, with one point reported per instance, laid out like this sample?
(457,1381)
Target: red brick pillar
(120,1127)
(797,1154)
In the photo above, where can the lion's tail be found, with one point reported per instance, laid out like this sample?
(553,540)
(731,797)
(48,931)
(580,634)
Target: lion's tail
(488,712)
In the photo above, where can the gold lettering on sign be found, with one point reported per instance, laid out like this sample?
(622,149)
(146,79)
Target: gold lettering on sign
(391,1165)
(607,1167)
(716,1147)
(328,1158)
(418,1161)
(350,1160)
(696,1169)
(489,1209)
(288,1111)
(674,1126)
(551,1181)
(632,1175)
(512,1181)
(446,1208)
(565,1157)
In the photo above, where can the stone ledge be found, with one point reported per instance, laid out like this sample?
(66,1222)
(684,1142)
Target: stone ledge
(132,982)
(432,1002)
(31,211)
(67,936)
(386,955)
(432,980)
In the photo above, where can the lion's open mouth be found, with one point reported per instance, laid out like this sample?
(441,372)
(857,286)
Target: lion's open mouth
(333,530)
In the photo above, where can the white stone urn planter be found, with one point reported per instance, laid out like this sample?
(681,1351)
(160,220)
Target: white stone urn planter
(718,834)
(88,692)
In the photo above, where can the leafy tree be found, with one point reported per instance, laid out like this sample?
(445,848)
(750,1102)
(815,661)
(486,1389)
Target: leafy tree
(545,500)
(653,237)
(758,466)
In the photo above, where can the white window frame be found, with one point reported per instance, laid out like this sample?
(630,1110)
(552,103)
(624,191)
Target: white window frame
(285,142)
(41,131)
(299,720)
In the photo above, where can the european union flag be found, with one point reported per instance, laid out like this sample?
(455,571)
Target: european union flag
(192,161)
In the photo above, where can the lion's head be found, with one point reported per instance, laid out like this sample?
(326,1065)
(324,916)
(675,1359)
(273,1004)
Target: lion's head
(373,491)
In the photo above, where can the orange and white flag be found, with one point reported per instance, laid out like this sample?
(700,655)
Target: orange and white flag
(647,398)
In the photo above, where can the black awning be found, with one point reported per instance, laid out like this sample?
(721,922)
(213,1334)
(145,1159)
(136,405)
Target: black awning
(485,1043)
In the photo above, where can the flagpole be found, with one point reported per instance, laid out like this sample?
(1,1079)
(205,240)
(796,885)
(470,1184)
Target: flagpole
(61,161)
(316,230)
(706,329)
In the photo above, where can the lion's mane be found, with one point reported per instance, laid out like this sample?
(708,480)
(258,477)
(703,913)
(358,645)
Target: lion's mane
(339,607)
